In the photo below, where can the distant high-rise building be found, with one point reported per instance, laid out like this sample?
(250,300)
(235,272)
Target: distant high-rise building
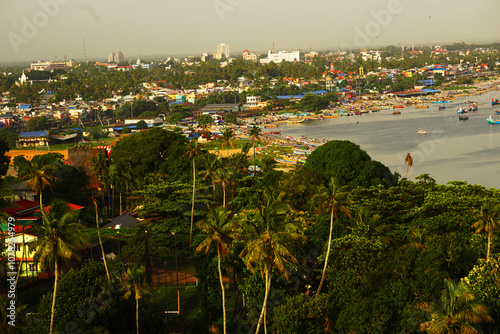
(111,57)
(223,49)
(116,57)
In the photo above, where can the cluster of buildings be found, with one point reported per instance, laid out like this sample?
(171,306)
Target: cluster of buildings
(42,65)
(223,52)
(116,57)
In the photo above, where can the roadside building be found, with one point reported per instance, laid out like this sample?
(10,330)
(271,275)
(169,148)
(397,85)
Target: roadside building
(33,138)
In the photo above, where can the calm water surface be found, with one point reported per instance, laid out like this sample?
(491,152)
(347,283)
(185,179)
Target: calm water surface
(451,150)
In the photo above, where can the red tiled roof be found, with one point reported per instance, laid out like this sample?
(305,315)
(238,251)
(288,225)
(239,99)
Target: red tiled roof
(20,206)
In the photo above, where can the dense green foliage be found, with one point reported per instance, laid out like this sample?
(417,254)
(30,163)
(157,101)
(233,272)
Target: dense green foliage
(346,162)
(392,255)
(152,151)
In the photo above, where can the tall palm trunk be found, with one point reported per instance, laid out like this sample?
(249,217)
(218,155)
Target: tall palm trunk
(254,167)
(100,241)
(490,238)
(136,312)
(223,292)
(21,265)
(223,194)
(264,306)
(41,205)
(323,275)
(52,311)
(192,203)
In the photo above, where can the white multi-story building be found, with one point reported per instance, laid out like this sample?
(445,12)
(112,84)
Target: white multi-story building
(253,101)
(247,55)
(223,49)
(280,56)
(116,57)
(51,65)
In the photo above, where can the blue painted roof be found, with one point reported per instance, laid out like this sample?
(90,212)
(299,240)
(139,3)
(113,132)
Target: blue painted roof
(290,96)
(317,92)
(34,134)
(24,106)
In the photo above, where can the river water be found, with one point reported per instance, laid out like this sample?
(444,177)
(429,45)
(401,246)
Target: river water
(452,149)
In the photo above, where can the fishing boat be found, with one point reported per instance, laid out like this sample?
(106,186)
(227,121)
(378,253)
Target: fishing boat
(422,107)
(442,101)
(396,112)
(461,110)
(272,132)
(441,107)
(295,121)
(495,102)
(492,121)
(421,132)
(497,112)
(463,117)
(399,107)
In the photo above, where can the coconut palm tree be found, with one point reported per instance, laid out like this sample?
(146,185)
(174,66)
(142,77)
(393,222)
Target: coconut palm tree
(224,177)
(335,198)
(254,133)
(193,149)
(133,285)
(41,177)
(408,162)
(488,221)
(271,236)
(58,239)
(268,164)
(220,229)
(211,165)
(227,137)
(455,312)
(100,241)
(100,168)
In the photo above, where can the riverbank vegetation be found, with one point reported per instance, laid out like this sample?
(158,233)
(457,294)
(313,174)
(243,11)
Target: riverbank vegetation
(394,246)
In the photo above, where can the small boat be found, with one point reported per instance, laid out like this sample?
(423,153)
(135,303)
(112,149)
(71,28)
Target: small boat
(461,110)
(492,121)
(396,112)
(495,102)
(422,132)
(463,117)
(422,107)
(399,107)
(497,112)
(441,107)
(295,121)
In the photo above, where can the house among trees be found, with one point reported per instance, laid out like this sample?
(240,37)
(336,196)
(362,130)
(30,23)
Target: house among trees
(25,213)
(33,138)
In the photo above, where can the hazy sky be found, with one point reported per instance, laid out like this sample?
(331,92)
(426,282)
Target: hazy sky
(42,29)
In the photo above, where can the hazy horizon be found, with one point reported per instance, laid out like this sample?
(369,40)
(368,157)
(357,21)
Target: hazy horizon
(46,29)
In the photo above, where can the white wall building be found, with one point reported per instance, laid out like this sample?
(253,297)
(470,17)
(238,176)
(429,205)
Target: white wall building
(252,101)
(223,49)
(280,56)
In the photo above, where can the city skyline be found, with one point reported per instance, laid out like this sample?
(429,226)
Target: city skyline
(47,29)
